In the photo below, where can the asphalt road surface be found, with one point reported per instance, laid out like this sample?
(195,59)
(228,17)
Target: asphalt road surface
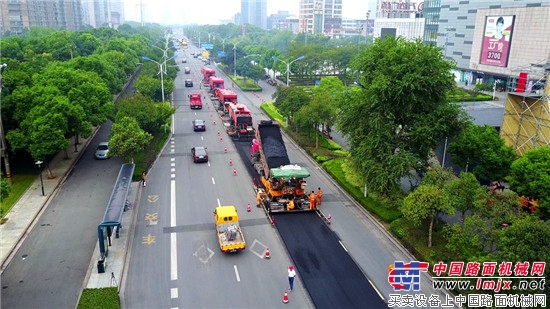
(49,268)
(175,260)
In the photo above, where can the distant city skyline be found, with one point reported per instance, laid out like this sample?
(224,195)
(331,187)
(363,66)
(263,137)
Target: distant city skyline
(219,11)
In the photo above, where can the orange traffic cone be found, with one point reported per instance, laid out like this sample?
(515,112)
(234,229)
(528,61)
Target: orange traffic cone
(230,162)
(267,254)
(218,132)
(248,207)
(329,217)
(221,139)
(214,122)
(234,172)
(285,298)
(225,149)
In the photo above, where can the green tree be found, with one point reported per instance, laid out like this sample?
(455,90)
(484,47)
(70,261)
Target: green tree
(528,240)
(403,112)
(5,187)
(463,193)
(481,150)
(149,115)
(323,106)
(470,238)
(289,100)
(530,176)
(425,203)
(127,138)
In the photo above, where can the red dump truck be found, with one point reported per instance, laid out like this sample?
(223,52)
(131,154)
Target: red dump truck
(195,101)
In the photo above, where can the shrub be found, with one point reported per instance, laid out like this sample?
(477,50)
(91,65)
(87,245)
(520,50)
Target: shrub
(105,298)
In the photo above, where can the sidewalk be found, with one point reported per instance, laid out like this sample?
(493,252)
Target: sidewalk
(25,213)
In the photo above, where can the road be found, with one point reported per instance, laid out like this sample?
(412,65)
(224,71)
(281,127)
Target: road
(49,268)
(183,259)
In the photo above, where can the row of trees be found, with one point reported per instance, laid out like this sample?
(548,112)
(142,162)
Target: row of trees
(58,85)
(395,117)
(322,56)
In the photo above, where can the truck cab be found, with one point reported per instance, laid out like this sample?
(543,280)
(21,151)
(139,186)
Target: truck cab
(230,236)
(195,101)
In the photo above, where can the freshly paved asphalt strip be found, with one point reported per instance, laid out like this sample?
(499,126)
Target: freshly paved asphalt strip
(330,275)
(328,272)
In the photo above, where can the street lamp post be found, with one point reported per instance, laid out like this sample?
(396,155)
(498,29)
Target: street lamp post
(288,64)
(39,163)
(162,68)
(235,58)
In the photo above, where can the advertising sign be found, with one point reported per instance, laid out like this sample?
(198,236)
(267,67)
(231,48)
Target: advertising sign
(497,39)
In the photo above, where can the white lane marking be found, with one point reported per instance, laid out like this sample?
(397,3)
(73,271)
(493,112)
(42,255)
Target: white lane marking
(172,164)
(202,138)
(173,239)
(341,244)
(379,294)
(219,204)
(173,159)
(213,181)
(173,124)
(172,170)
(237,273)
(208,163)
(174,293)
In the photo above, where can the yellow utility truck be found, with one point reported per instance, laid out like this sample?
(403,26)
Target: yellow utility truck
(229,232)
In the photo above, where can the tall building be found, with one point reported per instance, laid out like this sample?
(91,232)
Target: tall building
(491,40)
(254,12)
(403,19)
(103,13)
(18,15)
(321,17)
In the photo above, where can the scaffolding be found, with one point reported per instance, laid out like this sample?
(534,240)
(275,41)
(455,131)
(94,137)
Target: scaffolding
(526,121)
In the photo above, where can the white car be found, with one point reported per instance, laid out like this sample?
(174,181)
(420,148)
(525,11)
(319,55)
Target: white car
(102,151)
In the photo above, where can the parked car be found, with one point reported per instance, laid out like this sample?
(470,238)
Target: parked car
(102,151)
(188,82)
(199,154)
(199,125)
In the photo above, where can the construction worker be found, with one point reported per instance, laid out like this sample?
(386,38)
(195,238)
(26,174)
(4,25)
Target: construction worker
(290,205)
(319,196)
(312,199)
(259,199)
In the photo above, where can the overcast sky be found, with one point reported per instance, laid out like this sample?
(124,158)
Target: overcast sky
(214,11)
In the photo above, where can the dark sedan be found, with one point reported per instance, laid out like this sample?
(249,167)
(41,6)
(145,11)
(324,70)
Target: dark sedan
(199,154)
(199,125)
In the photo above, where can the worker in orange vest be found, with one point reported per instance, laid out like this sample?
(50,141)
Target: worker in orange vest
(258,199)
(312,199)
(290,205)
(319,196)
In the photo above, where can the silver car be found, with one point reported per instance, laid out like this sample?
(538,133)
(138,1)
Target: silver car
(102,151)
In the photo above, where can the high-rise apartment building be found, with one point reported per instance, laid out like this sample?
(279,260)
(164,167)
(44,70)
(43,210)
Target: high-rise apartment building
(18,15)
(254,12)
(321,17)
(103,13)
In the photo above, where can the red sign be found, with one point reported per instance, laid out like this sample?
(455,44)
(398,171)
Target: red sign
(497,39)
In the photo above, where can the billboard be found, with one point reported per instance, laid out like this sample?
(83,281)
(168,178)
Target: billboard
(497,39)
